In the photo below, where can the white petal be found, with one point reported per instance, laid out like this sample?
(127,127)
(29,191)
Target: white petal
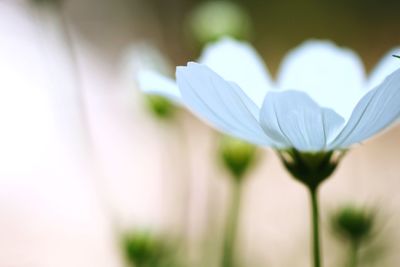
(238,62)
(295,120)
(375,111)
(331,75)
(386,65)
(152,82)
(219,102)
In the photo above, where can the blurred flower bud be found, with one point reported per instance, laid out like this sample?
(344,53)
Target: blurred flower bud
(237,155)
(160,106)
(213,19)
(144,249)
(310,168)
(353,222)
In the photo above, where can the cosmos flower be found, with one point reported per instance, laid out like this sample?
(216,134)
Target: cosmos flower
(320,101)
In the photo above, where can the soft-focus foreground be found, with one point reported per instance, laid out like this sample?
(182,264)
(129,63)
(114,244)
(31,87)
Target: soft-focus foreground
(103,163)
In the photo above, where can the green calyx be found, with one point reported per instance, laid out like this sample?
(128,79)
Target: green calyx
(353,222)
(237,155)
(310,168)
(160,106)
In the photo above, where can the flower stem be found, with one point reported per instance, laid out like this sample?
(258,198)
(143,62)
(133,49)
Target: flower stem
(353,254)
(315,227)
(232,226)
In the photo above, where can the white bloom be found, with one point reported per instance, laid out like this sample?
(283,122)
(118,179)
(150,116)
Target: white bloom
(321,99)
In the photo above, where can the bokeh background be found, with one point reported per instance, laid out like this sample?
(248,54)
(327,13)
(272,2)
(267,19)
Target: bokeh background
(83,160)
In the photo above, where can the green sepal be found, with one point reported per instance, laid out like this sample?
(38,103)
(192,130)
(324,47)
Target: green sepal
(310,168)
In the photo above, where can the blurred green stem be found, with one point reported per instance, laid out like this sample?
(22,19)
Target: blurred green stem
(315,226)
(353,253)
(232,226)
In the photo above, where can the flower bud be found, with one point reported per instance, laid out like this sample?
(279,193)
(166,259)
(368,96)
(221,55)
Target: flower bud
(144,249)
(310,168)
(237,155)
(213,19)
(353,222)
(160,106)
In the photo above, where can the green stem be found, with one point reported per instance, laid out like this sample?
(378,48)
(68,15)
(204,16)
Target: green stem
(232,226)
(315,227)
(353,254)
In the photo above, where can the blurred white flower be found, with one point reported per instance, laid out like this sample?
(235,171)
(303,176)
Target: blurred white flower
(320,101)
(151,68)
(153,71)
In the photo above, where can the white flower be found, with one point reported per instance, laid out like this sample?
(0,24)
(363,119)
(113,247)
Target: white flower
(320,101)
